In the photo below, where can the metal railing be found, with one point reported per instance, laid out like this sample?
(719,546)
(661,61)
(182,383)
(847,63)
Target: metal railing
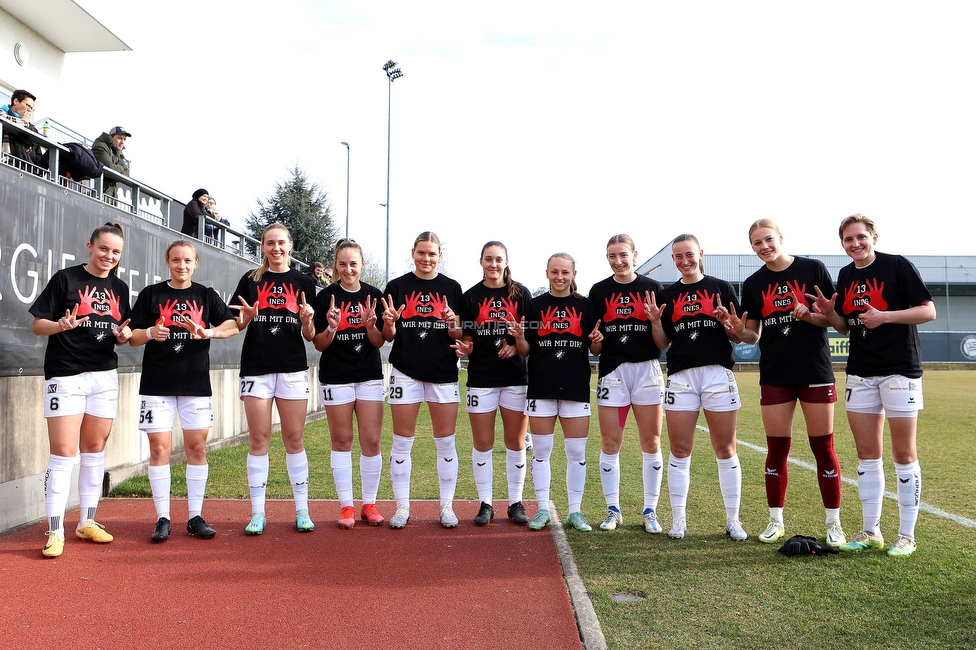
(132,196)
(60,133)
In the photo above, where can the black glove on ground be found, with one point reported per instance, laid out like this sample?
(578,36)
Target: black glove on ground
(803,545)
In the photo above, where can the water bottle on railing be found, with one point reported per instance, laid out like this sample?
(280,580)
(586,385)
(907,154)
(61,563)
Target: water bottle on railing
(46,128)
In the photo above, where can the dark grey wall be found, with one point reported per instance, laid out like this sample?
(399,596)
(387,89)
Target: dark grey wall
(44,228)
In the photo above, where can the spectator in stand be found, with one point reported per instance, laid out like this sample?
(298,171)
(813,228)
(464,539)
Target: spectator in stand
(318,273)
(108,151)
(21,109)
(193,211)
(212,209)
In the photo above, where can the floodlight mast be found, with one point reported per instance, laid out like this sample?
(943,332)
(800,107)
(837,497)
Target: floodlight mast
(392,74)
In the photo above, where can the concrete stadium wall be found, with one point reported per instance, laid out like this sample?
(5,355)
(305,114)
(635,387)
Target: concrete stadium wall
(24,442)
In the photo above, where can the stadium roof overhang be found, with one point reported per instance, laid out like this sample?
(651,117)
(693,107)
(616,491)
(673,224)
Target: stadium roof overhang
(65,24)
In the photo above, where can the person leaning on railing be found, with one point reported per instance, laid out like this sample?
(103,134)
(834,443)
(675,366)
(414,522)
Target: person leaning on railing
(193,211)
(108,150)
(212,213)
(21,109)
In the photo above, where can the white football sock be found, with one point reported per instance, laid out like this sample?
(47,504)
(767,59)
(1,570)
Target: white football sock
(257,481)
(870,489)
(400,467)
(90,477)
(160,481)
(909,496)
(57,485)
(653,471)
(575,471)
(196,488)
(447,468)
(515,471)
(297,465)
(832,516)
(730,483)
(341,464)
(610,478)
(370,468)
(679,481)
(482,466)
(541,469)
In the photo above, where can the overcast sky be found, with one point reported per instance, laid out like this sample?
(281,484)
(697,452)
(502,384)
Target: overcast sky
(554,125)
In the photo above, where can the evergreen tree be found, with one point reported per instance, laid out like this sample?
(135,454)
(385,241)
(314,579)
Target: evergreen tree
(304,208)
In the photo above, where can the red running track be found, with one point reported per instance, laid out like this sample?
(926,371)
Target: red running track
(422,587)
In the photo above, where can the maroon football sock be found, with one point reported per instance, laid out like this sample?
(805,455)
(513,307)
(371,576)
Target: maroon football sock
(777,474)
(828,469)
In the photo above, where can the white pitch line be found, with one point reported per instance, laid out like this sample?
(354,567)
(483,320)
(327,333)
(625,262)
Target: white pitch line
(924,507)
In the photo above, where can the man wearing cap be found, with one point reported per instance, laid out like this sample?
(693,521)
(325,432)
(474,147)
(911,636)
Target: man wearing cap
(108,150)
(193,211)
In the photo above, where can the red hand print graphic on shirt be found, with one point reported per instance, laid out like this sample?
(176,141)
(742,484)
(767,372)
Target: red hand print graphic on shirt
(561,321)
(870,294)
(349,315)
(489,311)
(94,302)
(194,313)
(176,314)
(166,313)
(616,308)
(774,300)
(423,305)
(708,302)
(87,300)
(411,302)
(292,296)
(441,306)
(638,304)
(265,291)
(703,304)
(114,309)
(619,307)
(511,309)
(484,312)
(799,293)
(285,297)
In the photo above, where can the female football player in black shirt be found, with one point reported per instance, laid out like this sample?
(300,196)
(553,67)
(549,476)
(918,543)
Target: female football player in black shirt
(496,378)
(419,318)
(175,320)
(84,312)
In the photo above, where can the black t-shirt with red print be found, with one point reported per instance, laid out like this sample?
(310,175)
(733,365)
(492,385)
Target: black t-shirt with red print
(626,330)
(350,358)
(422,346)
(273,340)
(558,333)
(889,283)
(793,352)
(90,347)
(483,312)
(697,338)
(179,365)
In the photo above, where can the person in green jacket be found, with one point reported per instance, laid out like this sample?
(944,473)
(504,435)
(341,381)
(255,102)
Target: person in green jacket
(108,150)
